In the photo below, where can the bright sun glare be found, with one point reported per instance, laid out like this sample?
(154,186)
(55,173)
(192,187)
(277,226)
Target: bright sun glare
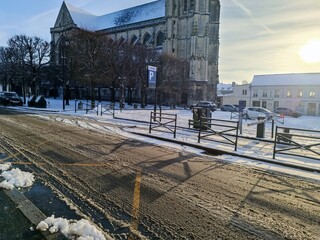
(310,52)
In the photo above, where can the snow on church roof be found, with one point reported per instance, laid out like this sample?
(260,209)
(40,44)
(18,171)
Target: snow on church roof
(136,14)
(286,79)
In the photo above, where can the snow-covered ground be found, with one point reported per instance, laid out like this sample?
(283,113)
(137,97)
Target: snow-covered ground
(246,147)
(125,126)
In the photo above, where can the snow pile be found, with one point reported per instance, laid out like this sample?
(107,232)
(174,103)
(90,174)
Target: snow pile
(81,230)
(5,166)
(15,177)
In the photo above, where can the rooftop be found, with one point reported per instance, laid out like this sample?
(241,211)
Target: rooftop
(286,79)
(145,12)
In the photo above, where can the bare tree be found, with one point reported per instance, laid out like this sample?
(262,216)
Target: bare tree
(86,56)
(173,76)
(30,54)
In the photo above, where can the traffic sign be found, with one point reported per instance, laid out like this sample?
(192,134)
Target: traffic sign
(152,76)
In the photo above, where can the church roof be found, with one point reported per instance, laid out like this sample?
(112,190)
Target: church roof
(145,12)
(290,79)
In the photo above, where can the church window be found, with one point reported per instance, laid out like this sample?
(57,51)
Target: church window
(121,40)
(147,39)
(160,39)
(214,9)
(202,5)
(185,6)
(133,39)
(192,6)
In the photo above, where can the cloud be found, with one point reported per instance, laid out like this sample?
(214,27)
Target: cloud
(251,16)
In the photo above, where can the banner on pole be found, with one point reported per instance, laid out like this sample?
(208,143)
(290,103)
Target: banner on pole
(152,76)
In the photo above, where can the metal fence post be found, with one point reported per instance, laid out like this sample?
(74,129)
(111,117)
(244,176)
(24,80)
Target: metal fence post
(275,143)
(237,133)
(150,122)
(175,126)
(200,127)
(272,127)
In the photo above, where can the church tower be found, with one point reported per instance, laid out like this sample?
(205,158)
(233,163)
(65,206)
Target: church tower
(193,33)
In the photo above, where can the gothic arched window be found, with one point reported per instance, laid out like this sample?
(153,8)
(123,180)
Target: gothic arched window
(147,39)
(160,39)
(133,39)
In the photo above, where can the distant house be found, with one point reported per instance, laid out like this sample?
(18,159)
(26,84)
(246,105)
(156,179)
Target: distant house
(298,91)
(225,88)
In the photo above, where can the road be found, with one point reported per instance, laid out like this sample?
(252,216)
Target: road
(134,189)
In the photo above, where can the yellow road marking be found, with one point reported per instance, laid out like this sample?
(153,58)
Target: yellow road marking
(136,202)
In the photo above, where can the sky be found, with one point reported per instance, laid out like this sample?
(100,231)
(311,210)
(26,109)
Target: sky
(256,37)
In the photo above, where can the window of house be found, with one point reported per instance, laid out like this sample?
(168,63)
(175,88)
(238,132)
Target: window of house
(255,93)
(265,93)
(311,109)
(277,93)
(256,103)
(312,94)
(264,104)
(244,92)
(289,93)
(275,104)
(299,93)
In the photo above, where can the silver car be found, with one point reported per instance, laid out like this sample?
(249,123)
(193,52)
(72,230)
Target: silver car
(254,112)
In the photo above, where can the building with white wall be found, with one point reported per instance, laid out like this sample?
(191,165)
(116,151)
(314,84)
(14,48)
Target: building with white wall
(300,92)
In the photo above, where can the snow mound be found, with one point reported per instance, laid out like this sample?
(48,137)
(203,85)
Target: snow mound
(5,166)
(72,229)
(16,178)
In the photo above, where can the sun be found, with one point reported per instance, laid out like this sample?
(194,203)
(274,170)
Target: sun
(310,53)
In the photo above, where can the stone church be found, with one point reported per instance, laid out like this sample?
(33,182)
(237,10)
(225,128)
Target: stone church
(187,29)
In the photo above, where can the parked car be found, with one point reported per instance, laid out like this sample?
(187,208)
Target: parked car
(287,112)
(10,98)
(254,112)
(206,104)
(229,108)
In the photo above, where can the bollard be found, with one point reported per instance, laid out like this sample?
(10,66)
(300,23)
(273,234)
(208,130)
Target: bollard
(80,105)
(261,126)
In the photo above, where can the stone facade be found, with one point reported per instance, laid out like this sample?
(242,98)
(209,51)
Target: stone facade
(187,29)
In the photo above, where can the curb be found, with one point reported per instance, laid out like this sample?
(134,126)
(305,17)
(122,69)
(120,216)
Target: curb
(31,212)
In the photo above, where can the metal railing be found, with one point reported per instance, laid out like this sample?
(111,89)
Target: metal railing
(220,129)
(161,122)
(86,106)
(107,109)
(297,142)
